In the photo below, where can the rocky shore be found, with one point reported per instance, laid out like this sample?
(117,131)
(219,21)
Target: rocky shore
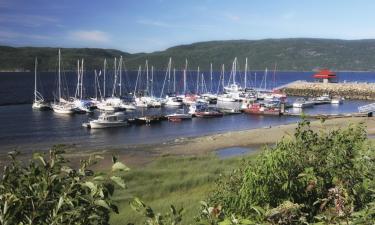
(352,90)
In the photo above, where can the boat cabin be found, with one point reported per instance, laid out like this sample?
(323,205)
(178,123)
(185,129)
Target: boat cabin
(325,76)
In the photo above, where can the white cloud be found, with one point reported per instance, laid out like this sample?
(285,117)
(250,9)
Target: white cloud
(89,35)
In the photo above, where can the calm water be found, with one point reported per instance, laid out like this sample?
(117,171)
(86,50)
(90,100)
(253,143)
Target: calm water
(21,126)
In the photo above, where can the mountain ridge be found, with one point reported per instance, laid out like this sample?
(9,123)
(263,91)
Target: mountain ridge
(289,54)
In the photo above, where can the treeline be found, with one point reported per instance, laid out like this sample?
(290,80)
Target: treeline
(299,54)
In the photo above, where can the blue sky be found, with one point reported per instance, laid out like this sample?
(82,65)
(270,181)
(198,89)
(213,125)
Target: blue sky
(152,25)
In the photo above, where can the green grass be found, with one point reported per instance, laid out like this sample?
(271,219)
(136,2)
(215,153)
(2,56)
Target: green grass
(180,181)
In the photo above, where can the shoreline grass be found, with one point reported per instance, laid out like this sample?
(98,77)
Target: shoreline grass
(182,181)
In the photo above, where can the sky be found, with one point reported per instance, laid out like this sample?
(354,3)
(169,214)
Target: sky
(154,25)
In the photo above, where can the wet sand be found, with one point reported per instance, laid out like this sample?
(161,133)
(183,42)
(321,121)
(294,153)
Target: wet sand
(140,155)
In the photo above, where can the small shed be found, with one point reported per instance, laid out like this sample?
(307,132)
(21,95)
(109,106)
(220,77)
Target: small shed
(325,76)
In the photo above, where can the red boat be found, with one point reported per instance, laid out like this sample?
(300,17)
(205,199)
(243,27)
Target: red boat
(260,109)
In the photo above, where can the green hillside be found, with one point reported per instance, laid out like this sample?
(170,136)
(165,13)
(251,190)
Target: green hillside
(300,54)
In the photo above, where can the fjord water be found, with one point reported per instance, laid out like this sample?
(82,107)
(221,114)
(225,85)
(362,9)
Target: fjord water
(22,127)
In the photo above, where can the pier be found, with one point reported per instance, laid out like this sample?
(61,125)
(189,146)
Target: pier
(348,90)
(327,116)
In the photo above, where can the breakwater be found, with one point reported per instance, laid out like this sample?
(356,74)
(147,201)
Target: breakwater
(348,90)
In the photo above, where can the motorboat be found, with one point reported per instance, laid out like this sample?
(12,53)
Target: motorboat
(337,101)
(173,101)
(179,114)
(147,120)
(107,120)
(302,103)
(325,98)
(198,106)
(261,109)
(225,98)
(209,113)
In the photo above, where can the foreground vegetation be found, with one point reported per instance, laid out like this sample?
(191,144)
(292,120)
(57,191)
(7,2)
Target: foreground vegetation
(324,177)
(312,177)
(299,54)
(179,181)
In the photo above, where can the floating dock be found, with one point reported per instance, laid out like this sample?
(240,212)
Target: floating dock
(348,90)
(327,116)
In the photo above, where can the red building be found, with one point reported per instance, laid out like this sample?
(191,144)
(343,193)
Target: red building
(326,76)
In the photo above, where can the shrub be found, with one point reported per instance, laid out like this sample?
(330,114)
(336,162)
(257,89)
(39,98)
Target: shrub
(47,191)
(319,171)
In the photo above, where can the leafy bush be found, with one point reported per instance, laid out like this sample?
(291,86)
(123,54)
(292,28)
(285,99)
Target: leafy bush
(329,173)
(48,191)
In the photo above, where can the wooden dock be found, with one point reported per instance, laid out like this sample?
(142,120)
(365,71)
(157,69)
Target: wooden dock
(327,116)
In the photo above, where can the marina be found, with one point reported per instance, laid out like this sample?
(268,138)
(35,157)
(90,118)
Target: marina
(117,108)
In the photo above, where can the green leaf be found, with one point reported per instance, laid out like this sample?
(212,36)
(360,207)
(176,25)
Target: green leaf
(119,181)
(61,201)
(119,166)
(102,203)
(99,178)
(93,188)
(38,155)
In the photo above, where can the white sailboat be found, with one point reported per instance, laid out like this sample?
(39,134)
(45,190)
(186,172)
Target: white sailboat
(39,102)
(62,106)
(170,99)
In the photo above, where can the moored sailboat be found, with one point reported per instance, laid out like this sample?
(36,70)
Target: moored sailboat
(62,106)
(39,102)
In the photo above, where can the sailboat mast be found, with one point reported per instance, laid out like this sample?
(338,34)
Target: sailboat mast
(174,80)
(120,68)
(197,81)
(78,73)
(202,83)
(211,78)
(36,65)
(105,64)
(152,80)
(81,80)
(246,72)
(265,79)
(147,80)
(234,70)
(115,80)
(185,70)
(169,73)
(136,81)
(223,72)
(59,75)
(96,85)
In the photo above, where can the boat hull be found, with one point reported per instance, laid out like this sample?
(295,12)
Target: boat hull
(208,115)
(265,112)
(100,125)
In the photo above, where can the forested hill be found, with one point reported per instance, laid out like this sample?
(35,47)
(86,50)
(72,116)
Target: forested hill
(299,54)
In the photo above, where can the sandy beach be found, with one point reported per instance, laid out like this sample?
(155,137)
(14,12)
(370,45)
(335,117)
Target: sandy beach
(139,155)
